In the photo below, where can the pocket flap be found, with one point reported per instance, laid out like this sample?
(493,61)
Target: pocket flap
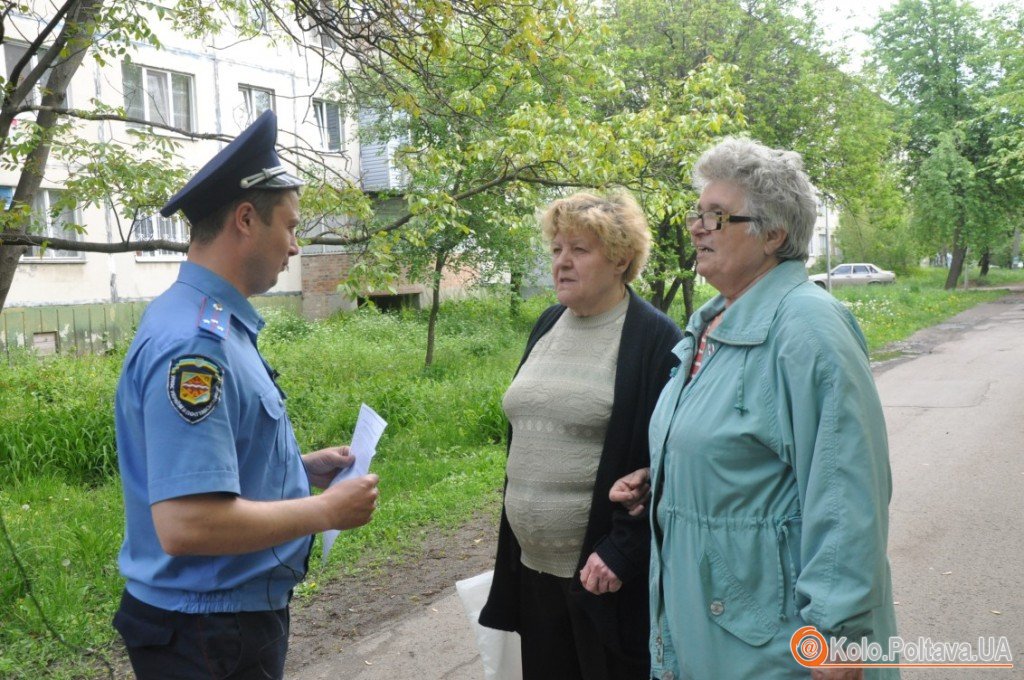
(729,604)
(273,404)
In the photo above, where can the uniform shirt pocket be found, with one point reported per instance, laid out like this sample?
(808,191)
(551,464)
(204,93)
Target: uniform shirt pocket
(730,605)
(273,406)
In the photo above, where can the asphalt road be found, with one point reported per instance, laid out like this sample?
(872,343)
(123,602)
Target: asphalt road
(954,408)
(955,417)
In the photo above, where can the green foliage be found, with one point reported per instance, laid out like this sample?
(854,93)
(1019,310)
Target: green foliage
(55,419)
(67,536)
(951,73)
(874,226)
(774,79)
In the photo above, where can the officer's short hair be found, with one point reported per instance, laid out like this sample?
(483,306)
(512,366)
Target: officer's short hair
(263,202)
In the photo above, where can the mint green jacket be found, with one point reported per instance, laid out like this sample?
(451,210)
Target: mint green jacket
(771,479)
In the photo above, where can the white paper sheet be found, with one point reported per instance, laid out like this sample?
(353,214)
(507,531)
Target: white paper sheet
(369,427)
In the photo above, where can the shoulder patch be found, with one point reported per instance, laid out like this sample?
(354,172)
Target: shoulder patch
(213,318)
(194,385)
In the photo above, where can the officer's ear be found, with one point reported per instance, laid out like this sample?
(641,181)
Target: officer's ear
(243,218)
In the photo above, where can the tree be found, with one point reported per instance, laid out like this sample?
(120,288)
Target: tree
(945,199)
(791,90)
(940,71)
(874,227)
(1006,112)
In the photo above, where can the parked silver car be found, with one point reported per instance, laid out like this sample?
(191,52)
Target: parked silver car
(855,274)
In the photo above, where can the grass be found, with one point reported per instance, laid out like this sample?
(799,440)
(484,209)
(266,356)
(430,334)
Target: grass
(440,460)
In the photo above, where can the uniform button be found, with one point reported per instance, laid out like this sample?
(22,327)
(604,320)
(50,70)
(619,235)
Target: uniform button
(717,607)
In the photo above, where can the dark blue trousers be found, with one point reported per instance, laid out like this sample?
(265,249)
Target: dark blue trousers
(168,645)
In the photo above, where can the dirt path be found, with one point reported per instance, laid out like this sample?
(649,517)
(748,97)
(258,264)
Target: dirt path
(350,608)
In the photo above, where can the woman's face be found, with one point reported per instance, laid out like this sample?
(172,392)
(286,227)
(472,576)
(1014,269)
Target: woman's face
(586,281)
(731,259)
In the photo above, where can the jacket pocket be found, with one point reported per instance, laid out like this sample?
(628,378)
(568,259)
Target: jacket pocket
(730,605)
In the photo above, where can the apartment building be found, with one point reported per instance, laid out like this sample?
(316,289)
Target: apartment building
(217,84)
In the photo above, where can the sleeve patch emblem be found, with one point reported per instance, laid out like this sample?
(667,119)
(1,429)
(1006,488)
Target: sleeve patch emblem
(194,385)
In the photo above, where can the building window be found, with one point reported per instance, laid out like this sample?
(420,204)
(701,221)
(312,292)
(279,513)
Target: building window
(53,221)
(328,124)
(159,228)
(256,100)
(15,52)
(326,40)
(157,96)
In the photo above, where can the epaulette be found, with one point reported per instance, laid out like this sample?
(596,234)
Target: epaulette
(213,318)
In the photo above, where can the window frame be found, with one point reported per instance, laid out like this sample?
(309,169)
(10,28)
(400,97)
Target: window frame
(146,97)
(41,208)
(321,107)
(36,97)
(247,91)
(157,231)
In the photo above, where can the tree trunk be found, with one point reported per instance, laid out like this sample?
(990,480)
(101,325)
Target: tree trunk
(435,305)
(515,296)
(957,265)
(1015,247)
(688,298)
(986,259)
(78,42)
(658,294)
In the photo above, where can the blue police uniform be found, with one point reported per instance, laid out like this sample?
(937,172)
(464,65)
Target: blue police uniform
(197,411)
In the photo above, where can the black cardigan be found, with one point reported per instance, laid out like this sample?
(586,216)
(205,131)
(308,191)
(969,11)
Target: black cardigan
(622,541)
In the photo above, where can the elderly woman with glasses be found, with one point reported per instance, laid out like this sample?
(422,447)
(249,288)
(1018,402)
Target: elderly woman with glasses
(769,482)
(571,570)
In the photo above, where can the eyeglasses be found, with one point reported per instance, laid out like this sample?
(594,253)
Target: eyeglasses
(713,220)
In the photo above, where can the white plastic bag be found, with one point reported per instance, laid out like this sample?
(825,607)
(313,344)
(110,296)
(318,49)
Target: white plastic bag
(499,649)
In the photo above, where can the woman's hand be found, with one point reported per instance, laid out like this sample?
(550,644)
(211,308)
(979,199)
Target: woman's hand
(597,578)
(633,491)
(322,466)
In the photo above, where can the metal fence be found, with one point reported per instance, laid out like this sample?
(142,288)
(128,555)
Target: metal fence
(88,329)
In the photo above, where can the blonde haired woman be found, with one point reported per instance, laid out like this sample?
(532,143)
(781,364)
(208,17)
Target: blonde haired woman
(571,570)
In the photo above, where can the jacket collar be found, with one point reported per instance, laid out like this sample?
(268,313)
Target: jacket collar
(748,319)
(220,290)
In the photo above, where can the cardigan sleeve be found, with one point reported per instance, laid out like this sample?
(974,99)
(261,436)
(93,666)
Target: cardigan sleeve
(626,547)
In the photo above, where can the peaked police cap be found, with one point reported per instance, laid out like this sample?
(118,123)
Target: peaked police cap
(248,162)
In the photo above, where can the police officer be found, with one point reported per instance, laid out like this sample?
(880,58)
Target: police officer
(218,511)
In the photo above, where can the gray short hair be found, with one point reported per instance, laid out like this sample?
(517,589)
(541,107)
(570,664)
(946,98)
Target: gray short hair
(778,191)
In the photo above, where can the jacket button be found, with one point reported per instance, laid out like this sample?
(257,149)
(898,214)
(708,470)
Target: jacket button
(668,675)
(717,607)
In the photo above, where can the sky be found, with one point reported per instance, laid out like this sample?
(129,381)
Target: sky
(841,20)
